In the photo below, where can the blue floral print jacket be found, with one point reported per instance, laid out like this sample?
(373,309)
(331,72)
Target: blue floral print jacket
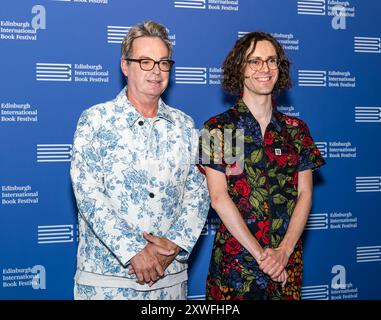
(132,174)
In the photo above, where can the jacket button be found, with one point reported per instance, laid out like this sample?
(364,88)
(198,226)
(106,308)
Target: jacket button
(151,195)
(141,123)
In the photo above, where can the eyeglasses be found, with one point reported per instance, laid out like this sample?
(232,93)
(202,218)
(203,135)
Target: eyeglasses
(147,64)
(257,64)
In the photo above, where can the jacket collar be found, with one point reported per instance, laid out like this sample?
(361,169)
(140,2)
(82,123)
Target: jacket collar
(133,115)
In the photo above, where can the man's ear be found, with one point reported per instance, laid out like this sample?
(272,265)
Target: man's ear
(124,67)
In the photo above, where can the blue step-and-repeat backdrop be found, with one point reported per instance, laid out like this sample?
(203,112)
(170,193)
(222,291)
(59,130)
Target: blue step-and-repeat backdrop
(59,57)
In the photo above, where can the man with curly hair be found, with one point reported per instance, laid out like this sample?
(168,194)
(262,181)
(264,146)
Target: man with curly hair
(263,201)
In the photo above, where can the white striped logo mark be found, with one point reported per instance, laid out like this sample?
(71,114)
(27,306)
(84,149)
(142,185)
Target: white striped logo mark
(323,148)
(312,7)
(53,71)
(368,114)
(55,234)
(367,44)
(190,4)
(242,33)
(190,75)
(116,34)
(312,78)
(54,152)
(317,221)
(368,184)
(315,292)
(368,254)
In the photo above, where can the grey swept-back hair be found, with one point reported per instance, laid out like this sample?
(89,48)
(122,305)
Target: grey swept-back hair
(146,29)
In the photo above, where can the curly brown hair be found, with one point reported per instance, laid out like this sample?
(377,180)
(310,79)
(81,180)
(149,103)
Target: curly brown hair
(233,65)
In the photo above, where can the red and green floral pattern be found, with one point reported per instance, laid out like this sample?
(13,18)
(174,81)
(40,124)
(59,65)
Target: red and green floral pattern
(265,194)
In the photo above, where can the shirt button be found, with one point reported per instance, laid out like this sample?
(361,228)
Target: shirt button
(141,123)
(151,195)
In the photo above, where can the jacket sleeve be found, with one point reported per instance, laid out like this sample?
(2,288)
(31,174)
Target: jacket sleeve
(194,208)
(102,215)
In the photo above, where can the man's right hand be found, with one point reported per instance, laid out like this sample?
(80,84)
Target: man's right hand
(145,264)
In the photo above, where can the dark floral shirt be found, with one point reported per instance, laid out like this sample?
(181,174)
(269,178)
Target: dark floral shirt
(265,192)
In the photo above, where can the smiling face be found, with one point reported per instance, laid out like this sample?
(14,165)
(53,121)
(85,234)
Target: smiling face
(146,85)
(262,81)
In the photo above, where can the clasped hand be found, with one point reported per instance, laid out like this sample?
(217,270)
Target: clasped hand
(273,263)
(150,263)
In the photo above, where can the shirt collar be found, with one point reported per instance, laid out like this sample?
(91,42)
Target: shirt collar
(275,119)
(133,115)
(241,107)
